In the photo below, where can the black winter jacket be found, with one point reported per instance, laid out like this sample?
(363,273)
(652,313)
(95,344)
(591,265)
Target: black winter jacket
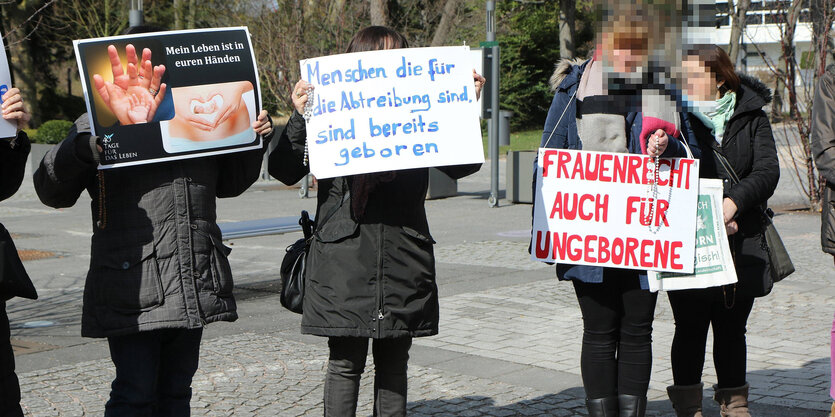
(157,258)
(823,148)
(13,154)
(374,278)
(748,144)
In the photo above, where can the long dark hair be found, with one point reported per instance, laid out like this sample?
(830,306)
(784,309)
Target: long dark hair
(372,38)
(375,38)
(719,63)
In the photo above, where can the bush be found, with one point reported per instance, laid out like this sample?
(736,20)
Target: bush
(52,132)
(31,133)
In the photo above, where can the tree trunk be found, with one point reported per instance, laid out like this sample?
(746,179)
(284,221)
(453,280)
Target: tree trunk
(178,15)
(788,60)
(192,13)
(822,19)
(737,26)
(378,12)
(777,100)
(567,32)
(447,15)
(336,7)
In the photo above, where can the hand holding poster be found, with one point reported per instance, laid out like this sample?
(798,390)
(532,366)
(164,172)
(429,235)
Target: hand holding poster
(7,129)
(596,208)
(714,265)
(165,96)
(392,109)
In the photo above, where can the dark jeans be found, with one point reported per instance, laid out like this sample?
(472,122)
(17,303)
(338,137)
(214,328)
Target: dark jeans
(9,386)
(346,365)
(617,335)
(153,372)
(696,310)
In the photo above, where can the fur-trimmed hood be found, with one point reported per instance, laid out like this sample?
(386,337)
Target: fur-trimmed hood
(757,86)
(562,69)
(753,94)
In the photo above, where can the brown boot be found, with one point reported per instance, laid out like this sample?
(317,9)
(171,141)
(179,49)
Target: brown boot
(686,399)
(832,411)
(733,402)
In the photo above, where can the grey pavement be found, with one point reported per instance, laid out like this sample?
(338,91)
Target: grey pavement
(509,342)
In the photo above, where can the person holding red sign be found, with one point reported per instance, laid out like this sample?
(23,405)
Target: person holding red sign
(617,307)
(370,270)
(735,136)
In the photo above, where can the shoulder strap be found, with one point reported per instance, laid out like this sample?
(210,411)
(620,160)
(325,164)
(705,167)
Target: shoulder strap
(561,116)
(727,166)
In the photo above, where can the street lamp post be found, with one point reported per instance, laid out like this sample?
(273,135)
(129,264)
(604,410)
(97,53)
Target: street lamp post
(492,49)
(135,17)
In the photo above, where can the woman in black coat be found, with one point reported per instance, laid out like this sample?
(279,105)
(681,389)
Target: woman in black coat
(371,268)
(728,120)
(13,153)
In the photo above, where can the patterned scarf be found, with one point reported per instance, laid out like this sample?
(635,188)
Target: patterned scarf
(717,119)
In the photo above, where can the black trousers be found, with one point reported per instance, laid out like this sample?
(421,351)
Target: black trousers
(346,365)
(153,373)
(694,312)
(9,385)
(617,334)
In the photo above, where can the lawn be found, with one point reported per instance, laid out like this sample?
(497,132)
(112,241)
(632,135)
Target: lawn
(526,140)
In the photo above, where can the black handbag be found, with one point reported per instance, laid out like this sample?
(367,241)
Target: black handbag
(292,267)
(14,281)
(779,262)
(295,259)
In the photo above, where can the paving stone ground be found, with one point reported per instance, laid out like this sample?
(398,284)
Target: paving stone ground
(509,342)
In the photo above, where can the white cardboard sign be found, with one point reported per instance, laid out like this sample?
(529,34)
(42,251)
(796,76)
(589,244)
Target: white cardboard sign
(595,208)
(714,265)
(392,109)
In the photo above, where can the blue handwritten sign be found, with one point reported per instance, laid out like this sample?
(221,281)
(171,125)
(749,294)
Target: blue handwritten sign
(393,109)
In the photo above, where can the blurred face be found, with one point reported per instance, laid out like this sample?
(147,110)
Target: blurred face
(701,83)
(628,52)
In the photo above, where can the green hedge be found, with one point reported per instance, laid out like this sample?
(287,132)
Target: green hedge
(52,132)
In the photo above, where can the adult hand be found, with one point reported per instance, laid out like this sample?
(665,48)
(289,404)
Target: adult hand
(262,125)
(657,143)
(13,108)
(141,79)
(479,84)
(731,227)
(728,209)
(232,94)
(299,95)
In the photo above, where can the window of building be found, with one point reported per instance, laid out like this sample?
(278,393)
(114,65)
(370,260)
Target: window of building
(778,17)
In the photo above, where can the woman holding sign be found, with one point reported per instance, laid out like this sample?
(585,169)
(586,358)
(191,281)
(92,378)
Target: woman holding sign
(736,140)
(370,268)
(617,308)
(13,279)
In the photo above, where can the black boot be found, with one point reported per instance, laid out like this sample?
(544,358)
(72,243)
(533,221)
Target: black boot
(632,406)
(602,407)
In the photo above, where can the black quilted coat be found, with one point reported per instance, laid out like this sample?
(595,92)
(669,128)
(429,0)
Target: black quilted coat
(370,278)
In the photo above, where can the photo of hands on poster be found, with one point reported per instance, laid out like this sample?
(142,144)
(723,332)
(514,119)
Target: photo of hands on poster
(171,95)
